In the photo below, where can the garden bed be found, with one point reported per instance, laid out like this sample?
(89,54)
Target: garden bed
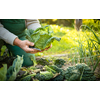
(68,63)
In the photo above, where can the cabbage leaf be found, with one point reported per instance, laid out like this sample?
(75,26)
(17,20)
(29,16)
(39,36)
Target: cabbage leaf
(41,37)
(3,71)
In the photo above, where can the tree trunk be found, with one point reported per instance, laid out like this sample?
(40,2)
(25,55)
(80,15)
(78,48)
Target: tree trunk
(78,23)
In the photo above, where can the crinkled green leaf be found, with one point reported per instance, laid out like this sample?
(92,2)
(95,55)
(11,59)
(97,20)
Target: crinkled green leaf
(50,69)
(28,77)
(9,72)
(3,49)
(14,69)
(3,72)
(41,37)
(39,29)
(50,40)
(48,29)
(79,72)
(28,33)
(41,43)
(31,31)
(44,76)
(13,76)
(33,59)
(35,37)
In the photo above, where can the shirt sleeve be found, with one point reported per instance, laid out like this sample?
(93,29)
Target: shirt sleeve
(7,36)
(32,24)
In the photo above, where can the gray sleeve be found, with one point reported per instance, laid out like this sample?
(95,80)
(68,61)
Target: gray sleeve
(32,24)
(7,36)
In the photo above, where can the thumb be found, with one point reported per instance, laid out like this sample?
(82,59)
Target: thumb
(30,43)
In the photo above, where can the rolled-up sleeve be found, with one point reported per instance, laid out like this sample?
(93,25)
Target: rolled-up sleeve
(7,36)
(32,24)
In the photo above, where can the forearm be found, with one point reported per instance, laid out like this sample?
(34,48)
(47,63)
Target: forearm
(32,24)
(17,42)
(7,36)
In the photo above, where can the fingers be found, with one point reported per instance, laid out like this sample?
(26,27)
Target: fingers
(26,48)
(30,50)
(48,47)
(51,46)
(29,43)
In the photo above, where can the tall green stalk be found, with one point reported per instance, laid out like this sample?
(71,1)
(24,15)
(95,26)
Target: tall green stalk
(92,45)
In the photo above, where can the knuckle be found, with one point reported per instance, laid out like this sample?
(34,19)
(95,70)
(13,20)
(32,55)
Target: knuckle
(26,41)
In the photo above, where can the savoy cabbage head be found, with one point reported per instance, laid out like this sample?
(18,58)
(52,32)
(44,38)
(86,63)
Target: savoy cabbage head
(41,37)
(79,72)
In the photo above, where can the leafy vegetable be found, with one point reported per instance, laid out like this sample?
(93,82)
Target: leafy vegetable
(11,73)
(14,69)
(3,72)
(43,61)
(41,37)
(59,77)
(59,62)
(88,74)
(44,75)
(58,72)
(48,68)
(79,72)
(3,49)
(72,74)
(33,59)
(28,77)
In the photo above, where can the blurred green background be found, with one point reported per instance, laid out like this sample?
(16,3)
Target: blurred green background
(69,33)
(64,22)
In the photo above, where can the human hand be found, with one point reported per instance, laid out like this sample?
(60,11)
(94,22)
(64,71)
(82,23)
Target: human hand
(25,45)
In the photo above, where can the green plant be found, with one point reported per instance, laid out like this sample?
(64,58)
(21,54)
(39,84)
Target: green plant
(41,37)
(92,23)
(11,73)
(32,57)
(48,68)
(72,74)
(28,77)
(79,72)
(44,76)
(59,76)
(59,62)
(93,47)
(3,72)
(43,61)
